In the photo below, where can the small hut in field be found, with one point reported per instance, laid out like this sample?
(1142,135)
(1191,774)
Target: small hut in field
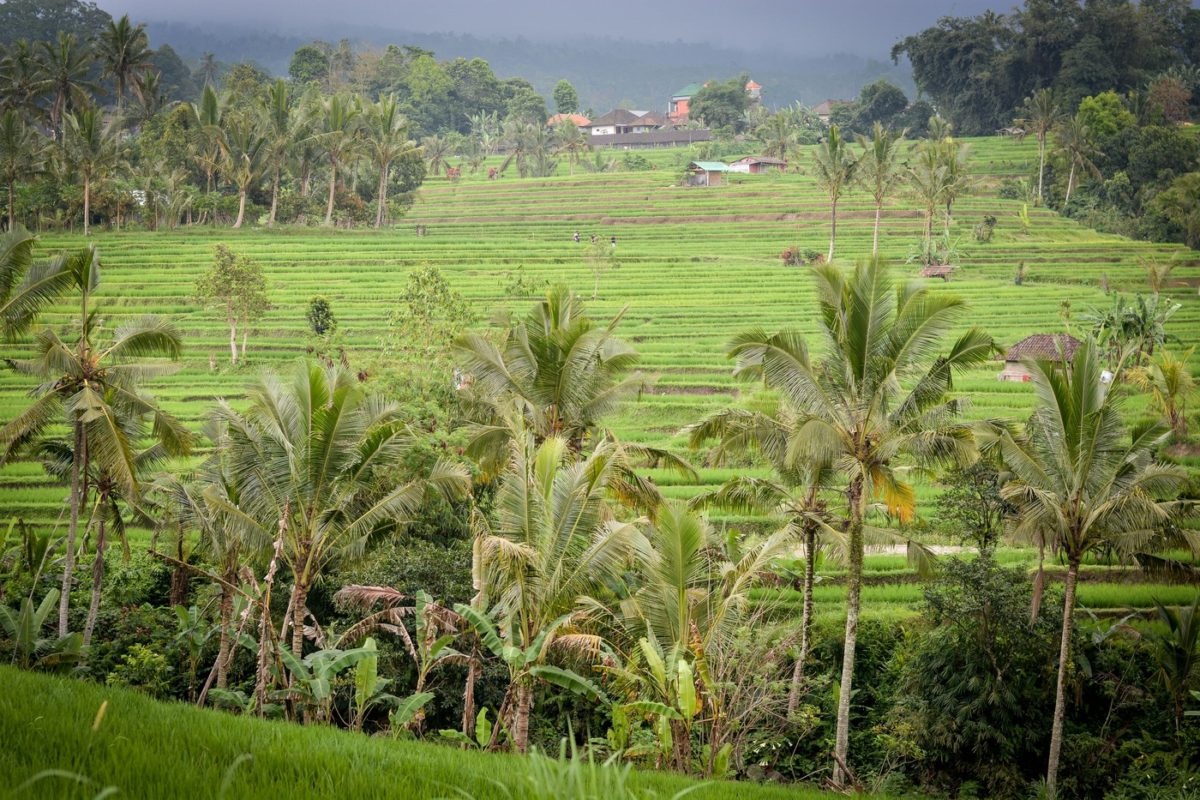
(706,173)
(943,271)
(1056,348)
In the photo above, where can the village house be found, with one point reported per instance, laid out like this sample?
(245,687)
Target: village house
(622,120)
(824,110)
(677,109)
(755,165)
(662,137)
(578,120)
(706,173)
(1056,348)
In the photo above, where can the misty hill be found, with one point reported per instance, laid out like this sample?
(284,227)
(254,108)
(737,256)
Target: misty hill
(606,72)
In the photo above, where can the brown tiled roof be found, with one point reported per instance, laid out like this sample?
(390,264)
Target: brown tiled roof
(653,118)
(618,116)
(1044,347)
(579,120)
(666,137)
(779,162)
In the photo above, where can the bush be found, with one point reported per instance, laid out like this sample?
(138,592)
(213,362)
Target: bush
(320,316)
(144,669)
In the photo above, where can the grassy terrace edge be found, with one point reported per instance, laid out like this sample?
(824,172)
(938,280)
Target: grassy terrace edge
(151,749)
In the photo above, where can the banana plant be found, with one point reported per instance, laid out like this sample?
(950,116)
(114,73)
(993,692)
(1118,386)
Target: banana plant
(192,635)
(313,677)
(32,650)
(369,688)
(482,735)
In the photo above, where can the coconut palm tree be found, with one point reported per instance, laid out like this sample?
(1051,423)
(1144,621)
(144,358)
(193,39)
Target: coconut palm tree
(835,168)
(314,460)
(777,134)
(21,156)
(243,151)
(1081,482)
(209,141)
(927,179)
(386,139)
(209,68)
(27,286)
(95,385)
(879,394)
(92,147)
(281,126)
(956,175)
(1041,114)
(124,52)
(881,170)
(554,539)
(1075,142)
(21,80)
(1169,381)
(65,69)
(435,149)
(338,137)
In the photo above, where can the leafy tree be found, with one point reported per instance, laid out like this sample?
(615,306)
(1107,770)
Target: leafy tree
(175,79)
(1105,115)
(566,99)
(970,504)
(836,168)
(42,20)
(1169,98)
(526,105)
(320,316)
(879,101)
(317,458)
(124,51)
(93,149)
(1081,483)
(309,64)
(427,318)
(21,157)
(855,412)
(721,104)
(235,286)
(880,170)
(1180,203)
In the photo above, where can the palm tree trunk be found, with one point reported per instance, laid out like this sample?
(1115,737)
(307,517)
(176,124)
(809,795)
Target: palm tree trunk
(382,198)
(1041,164)
(233,352)
(241,209)
(1064,654)
(245,335)
(810,558)
(928,225)
(832,228)
(274,198)
(78,467)
(1070,183)
(521,716)
(87,206)
(299,612)
(332,189)
(12,205)
(224,650)
(468,718)
(97,583)
(841,776)
(875,235)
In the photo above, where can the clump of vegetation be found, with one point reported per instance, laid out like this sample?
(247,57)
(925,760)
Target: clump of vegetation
(320,317)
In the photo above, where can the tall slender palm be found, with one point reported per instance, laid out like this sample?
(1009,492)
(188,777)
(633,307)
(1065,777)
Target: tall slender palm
(93,149)
(21,156)
(554,540)
(777,134)
(835,168)
(881,170)
(956,174)
(243,149)
(927,178)
(95,385)
(314,460)
(65,69)
(21,79)
(124,51)
(435,149)
(386,132)
(1081,483)
(281,126)
(1041,113)
(338,136)
(572,142)
(209,68)
(879,394)
(1074,140)
(209,142)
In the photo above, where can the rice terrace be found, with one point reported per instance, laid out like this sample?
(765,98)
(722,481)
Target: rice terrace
(373,423)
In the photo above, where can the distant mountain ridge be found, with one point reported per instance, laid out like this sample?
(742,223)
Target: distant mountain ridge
(606,72)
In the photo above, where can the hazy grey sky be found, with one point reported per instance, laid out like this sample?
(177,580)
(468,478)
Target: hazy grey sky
(816,27)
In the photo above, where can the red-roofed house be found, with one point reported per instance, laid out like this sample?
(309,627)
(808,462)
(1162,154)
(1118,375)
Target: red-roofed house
(1057,348)
(578,120)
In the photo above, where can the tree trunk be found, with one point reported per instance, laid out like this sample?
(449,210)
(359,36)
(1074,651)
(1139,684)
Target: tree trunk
(946,222)
(12,205)
(233,351)
(810,558)
(1041,165)
(97,583)
(928,226)
(379,214)
(87,206)
(224,650)
(245,335)
(875,235)
(241,209)
(78,466)
(1070,184)
(832,229)
(299,612)
(332,190)
(841,776)
(468,718)
(521,716)
(179,576)
(274,199)
(263,667)
(1060,700)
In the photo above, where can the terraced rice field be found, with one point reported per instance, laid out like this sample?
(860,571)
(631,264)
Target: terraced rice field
(696,266)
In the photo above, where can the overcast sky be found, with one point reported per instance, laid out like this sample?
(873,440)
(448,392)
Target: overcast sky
(814,27)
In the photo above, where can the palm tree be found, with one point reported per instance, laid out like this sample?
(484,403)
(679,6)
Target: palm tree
(835,168)
(20,156)
(927,179)
(435,149)
(573,142)
(313,459)
(124,50)
(92,148)
(96,386)
(339,138)
(21,80)
(554,540)
(26,286)
(777,134)
(209,69)
(65,70)
(1074,140)
(281,124)
(386,132)
(1042,113)
(243,151)
(956,176)
(1169,381)
(873,398)
(1082,483)
(209,143)
(881,170)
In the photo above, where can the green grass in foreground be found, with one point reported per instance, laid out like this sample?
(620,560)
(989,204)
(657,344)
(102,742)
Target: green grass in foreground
(147,749)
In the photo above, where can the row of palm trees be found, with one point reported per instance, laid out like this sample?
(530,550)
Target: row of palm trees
(1074,139)
(934,171)
(582,569)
